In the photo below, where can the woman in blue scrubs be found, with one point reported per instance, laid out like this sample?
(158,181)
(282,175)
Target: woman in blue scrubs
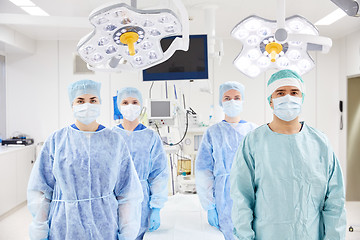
(215,158)
(149,157)
(84,184)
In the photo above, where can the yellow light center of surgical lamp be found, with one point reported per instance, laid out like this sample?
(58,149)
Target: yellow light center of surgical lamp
(129,38)
(273,48)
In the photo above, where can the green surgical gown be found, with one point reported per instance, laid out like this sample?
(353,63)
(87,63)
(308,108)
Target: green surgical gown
(287,187)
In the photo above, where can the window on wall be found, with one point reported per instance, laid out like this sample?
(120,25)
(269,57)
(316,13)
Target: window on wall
(2,98)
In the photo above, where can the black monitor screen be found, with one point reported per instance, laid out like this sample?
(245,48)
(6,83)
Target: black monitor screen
(192,64)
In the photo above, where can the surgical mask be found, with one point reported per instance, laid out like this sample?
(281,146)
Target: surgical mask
(130,112)
(233,107)
(86,113)
(287,108)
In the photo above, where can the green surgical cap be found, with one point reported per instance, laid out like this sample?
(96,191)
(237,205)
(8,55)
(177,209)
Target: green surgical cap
(283,78)
(82,87)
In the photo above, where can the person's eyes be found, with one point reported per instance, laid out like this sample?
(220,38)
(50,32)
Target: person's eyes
(227,99)
(237,98)
(124,103)
(280,93)
(135,102)
(295,93)
(93,101)
(80,101)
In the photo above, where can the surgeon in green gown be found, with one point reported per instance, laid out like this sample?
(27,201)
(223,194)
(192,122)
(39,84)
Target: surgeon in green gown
(286,182)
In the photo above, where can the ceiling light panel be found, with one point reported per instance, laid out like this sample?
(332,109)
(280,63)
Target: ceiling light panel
(331,18)
(23,3)
(35,11)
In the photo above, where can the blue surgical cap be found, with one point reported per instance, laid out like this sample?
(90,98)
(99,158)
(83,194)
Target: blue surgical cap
(283,78)
(83,87)
(228,86)
(129,92)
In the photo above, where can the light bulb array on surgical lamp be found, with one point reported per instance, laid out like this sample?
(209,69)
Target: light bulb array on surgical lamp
(126,38)
(261,51)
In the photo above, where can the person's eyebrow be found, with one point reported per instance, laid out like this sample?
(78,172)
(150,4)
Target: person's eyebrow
(93,98)
(80,98)
(280,90)
(295,90)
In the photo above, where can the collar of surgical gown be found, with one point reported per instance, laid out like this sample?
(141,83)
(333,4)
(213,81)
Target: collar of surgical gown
(101,127)
(138,127)
(269,129)
(241,121)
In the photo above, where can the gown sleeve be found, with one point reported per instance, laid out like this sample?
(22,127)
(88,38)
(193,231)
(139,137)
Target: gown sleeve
(39,193)
(242,188)
(159,175)
(204,171)
(128,192)
(333,212)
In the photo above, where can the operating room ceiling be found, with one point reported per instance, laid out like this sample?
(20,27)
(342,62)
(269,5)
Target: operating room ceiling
(69,18)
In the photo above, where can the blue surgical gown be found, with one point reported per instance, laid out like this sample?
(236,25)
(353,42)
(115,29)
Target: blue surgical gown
(151,164)
(212,169)
(84,186)
(287,187)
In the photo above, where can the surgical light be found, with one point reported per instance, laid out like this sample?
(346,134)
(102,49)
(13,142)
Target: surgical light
(281,44)
(127,38)
(263,62)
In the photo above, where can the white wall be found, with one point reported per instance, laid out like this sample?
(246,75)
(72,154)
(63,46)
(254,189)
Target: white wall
(32,92)
(327,98)
(2,98)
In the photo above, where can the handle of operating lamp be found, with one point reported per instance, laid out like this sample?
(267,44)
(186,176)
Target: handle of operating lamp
(273,55)
(129,38)
(131,49)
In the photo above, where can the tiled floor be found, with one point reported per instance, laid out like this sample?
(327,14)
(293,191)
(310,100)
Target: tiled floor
(15,226)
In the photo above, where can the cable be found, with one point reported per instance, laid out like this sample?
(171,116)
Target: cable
(166,90)
(184,101)
(186,158)
(152,84)
(172,175)
(192,111)
(186,129)
(175,92)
